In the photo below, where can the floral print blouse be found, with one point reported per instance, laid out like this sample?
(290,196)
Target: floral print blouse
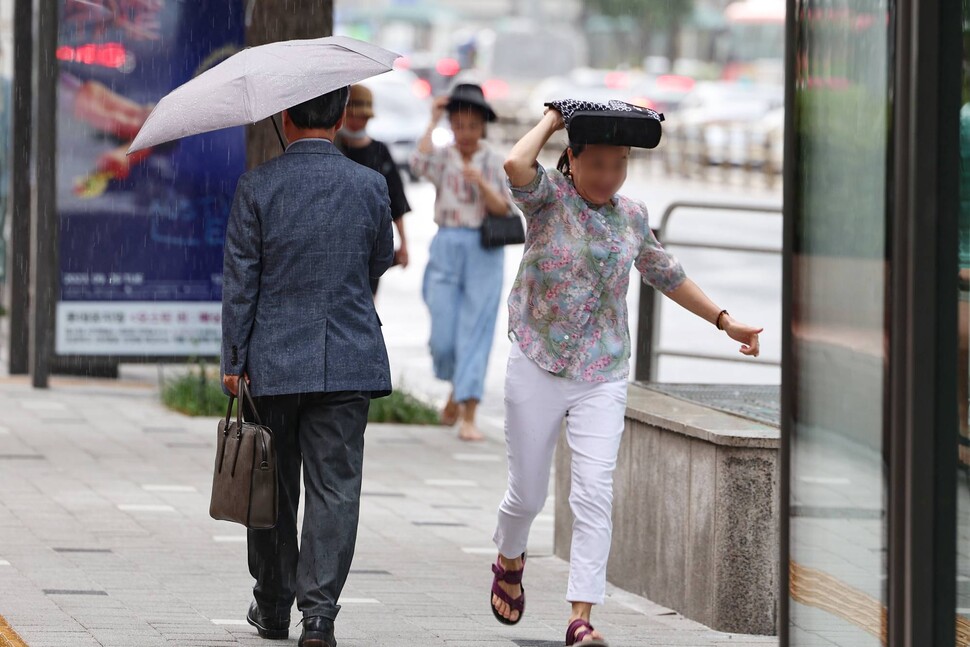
(458,202)
(567,309)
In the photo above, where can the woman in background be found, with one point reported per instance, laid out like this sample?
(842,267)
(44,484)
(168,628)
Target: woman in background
(463,280)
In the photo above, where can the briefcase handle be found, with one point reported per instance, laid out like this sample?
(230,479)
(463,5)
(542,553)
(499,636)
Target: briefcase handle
(244,398)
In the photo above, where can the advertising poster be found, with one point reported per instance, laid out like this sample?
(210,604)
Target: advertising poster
(141,236)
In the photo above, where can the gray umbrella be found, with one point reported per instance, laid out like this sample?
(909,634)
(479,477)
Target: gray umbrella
(259,82)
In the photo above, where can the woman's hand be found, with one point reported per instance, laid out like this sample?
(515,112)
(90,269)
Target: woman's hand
(747,335)
(438,109)
(690,297)
(473,176)
(426,143)
(554,118)
(495,202)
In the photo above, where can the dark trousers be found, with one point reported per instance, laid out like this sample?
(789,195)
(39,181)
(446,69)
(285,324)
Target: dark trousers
(325,433)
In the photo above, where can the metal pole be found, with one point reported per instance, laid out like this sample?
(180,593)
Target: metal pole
(922,423)
(644,370)
(18,275)
(45,226)
(790,214)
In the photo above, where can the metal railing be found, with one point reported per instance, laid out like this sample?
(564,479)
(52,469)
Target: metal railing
(648,326)
(723,152)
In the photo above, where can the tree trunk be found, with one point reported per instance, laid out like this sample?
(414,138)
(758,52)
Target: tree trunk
(271,21)
(645,45)
(673,40)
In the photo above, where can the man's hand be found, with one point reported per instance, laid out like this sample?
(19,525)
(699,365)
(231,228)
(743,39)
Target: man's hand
(402,256)
(232,383)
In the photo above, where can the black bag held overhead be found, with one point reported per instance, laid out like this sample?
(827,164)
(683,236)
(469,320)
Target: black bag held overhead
(502,230)
(615,123)
(244,485)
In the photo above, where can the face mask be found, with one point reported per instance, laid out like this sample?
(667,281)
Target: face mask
(354,134)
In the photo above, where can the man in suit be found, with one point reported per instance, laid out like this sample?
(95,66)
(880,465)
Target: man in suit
(307,233)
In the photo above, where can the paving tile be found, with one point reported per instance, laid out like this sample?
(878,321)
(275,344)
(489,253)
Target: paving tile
(106,540)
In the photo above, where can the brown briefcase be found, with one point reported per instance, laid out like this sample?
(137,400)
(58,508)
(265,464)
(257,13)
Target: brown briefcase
(244,485)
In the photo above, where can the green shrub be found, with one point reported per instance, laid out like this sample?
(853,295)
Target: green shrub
(199,393)
(196,393)
(404,409)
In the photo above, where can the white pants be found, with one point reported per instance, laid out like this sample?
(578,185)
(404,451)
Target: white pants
(535,404)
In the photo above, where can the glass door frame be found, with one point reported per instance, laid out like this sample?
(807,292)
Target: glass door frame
(921,398)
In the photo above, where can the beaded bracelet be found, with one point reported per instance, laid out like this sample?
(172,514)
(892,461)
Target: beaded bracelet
(719,315)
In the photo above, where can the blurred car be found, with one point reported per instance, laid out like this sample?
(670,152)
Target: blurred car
(724,117)
(439,72)
(584,84)
(402,108)
(516,57)
(663,93)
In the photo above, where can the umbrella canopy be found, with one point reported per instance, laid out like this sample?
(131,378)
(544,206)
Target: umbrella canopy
(259,82)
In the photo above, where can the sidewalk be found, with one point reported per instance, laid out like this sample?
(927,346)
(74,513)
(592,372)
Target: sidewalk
(105,537)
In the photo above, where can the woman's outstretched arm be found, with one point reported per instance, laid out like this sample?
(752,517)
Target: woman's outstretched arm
(690,297)
(520,165)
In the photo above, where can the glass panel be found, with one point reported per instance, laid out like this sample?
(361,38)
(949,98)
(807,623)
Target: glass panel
(839,473)
(963,478)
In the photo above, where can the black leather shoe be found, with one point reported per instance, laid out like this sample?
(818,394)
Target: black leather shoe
(317,632)
(266,627)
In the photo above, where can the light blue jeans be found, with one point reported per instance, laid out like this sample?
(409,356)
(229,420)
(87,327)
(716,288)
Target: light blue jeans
(462,288)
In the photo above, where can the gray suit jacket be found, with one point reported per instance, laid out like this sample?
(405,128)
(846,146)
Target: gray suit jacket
(306,233)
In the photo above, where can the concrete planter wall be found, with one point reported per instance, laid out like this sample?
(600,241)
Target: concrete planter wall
(695,513)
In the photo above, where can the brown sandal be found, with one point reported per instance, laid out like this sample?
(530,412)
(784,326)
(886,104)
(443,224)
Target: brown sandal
(509,577)
(579,629)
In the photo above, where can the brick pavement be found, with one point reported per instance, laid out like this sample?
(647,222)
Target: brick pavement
(105,537)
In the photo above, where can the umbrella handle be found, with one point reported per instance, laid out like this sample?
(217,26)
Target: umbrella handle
(278,133)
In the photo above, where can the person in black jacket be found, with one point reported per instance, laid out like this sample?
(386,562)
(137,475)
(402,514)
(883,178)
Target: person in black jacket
(357,145)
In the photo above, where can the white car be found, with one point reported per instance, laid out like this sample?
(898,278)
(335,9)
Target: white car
(726,117)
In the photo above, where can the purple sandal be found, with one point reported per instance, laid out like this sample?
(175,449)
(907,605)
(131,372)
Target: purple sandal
(579,629)
(515,604)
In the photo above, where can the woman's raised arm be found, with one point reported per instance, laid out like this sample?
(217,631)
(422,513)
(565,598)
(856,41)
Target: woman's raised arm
(426,143)
(520,165)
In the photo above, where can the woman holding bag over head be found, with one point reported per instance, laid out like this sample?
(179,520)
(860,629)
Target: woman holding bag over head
(463,280)
(571,342)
